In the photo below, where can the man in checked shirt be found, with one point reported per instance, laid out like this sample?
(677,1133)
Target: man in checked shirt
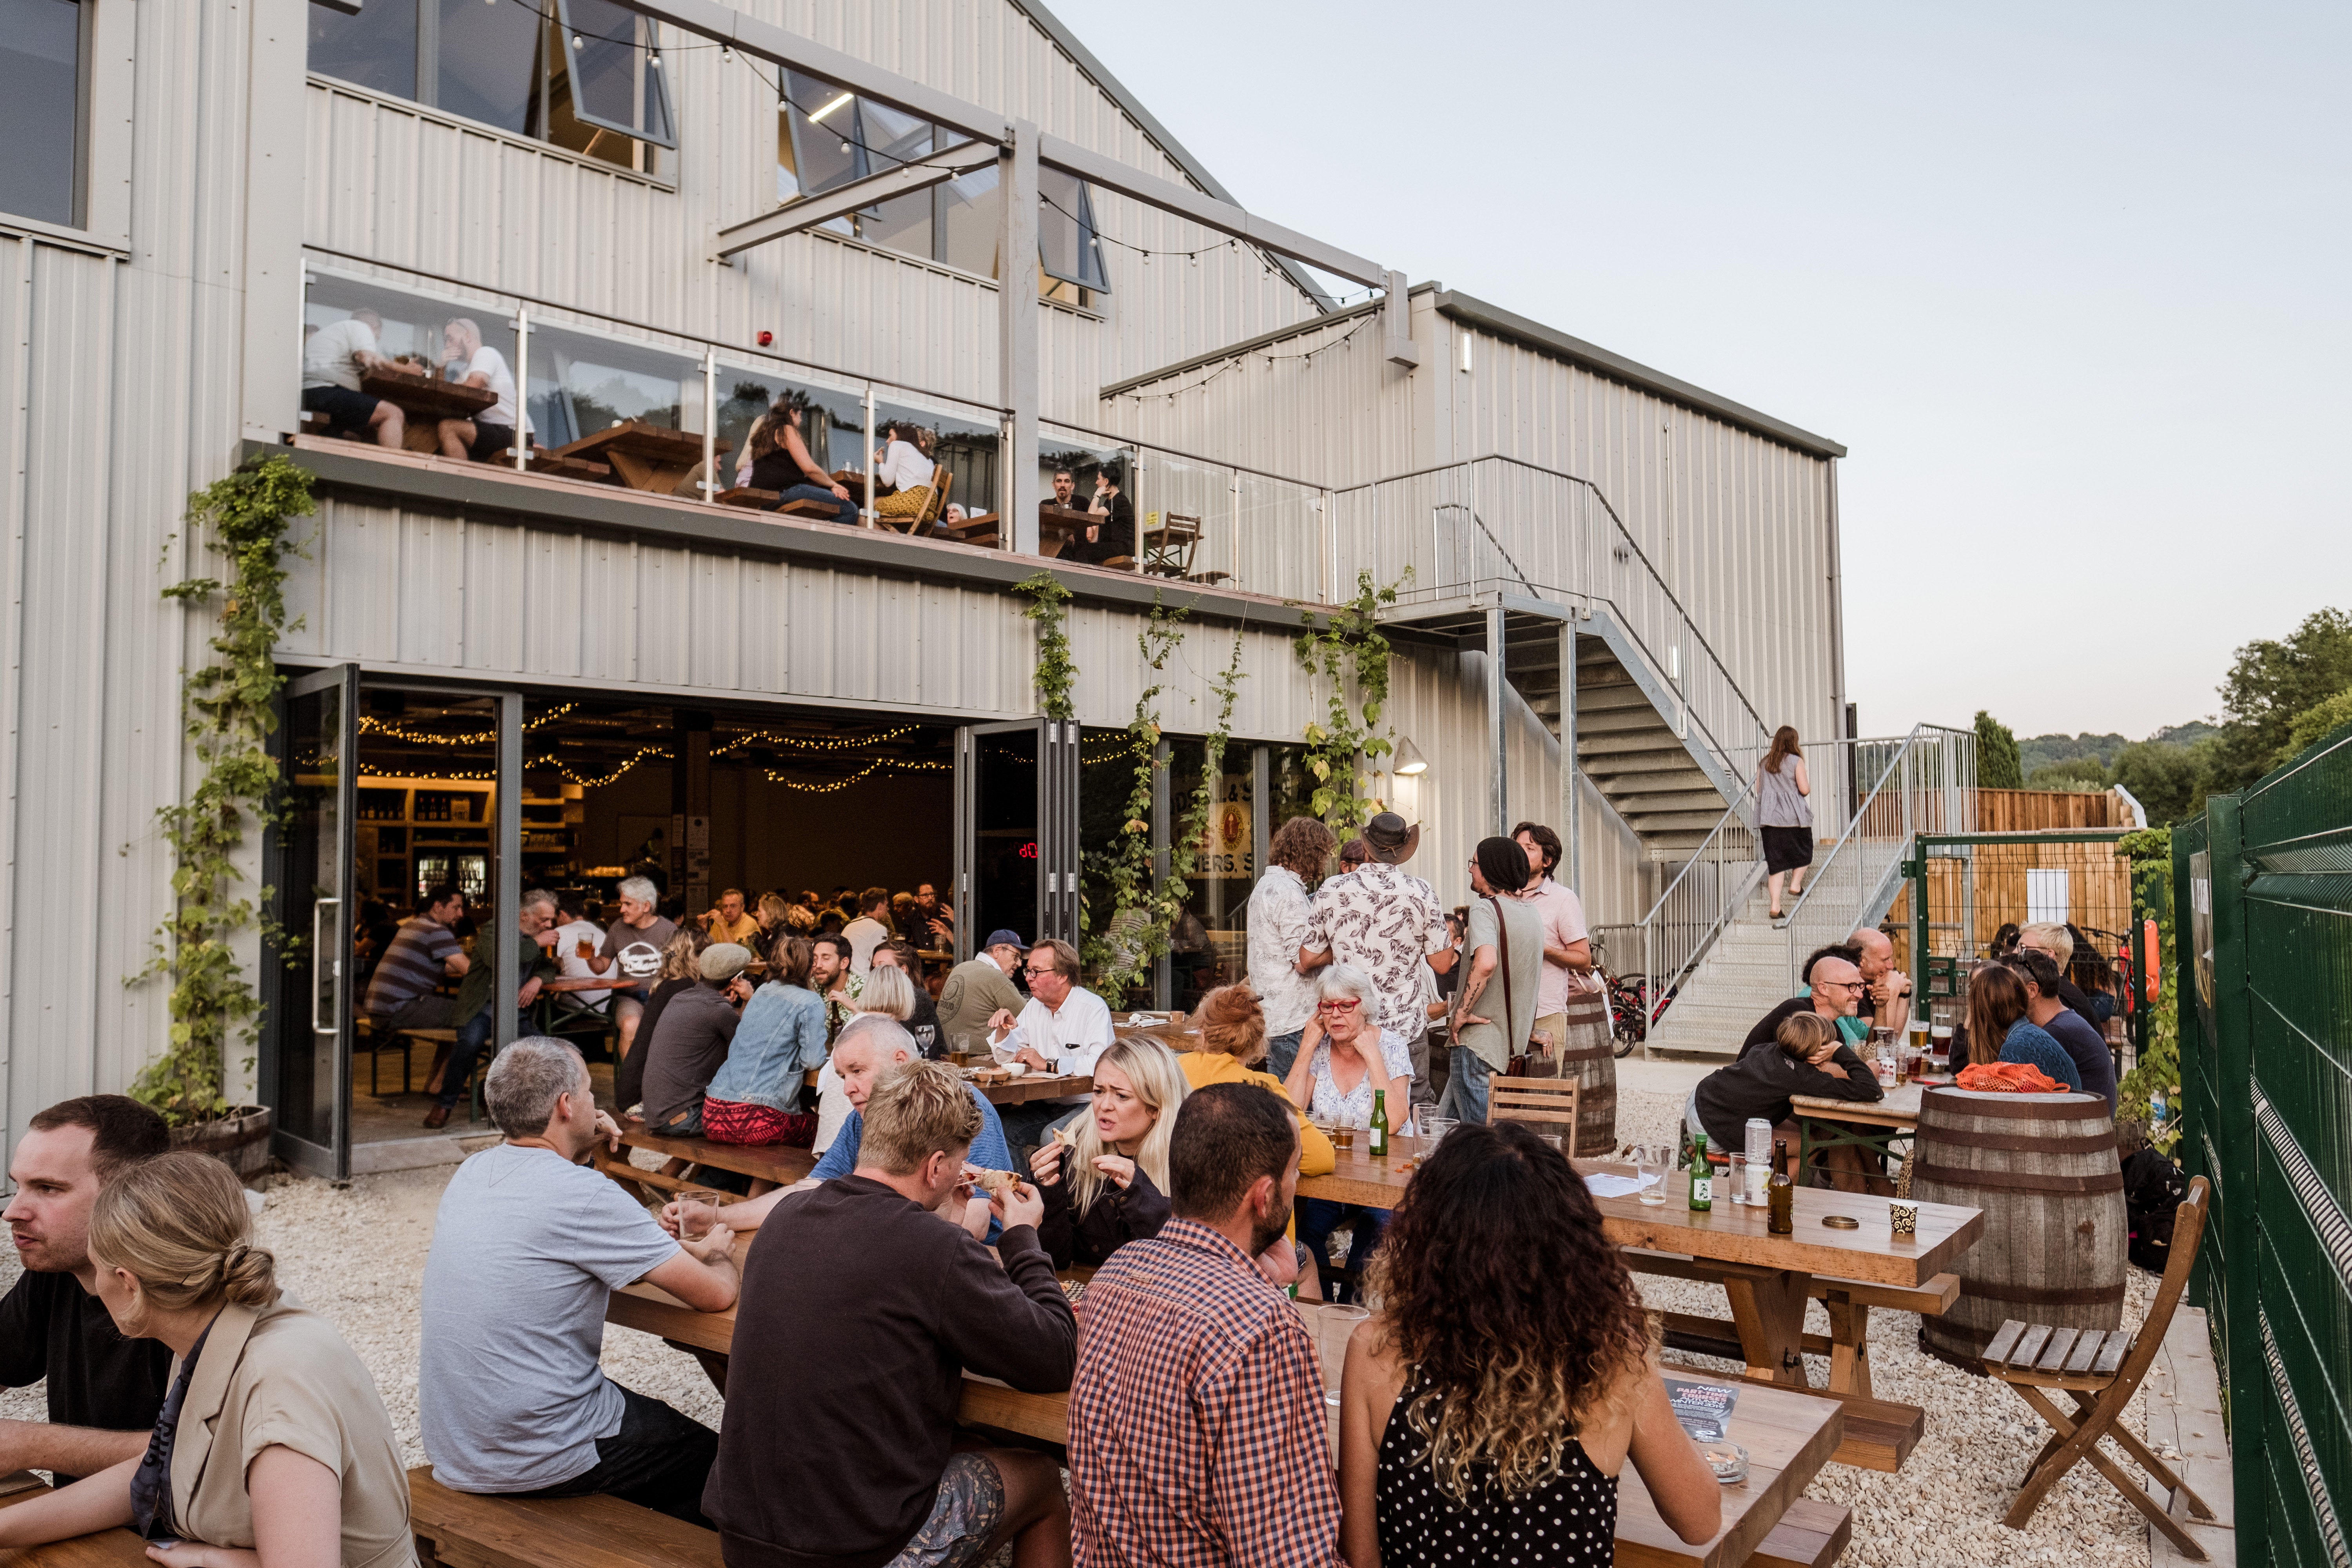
(1197,1426)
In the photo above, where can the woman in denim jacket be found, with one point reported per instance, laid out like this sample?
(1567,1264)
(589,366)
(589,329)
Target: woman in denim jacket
(755,1098)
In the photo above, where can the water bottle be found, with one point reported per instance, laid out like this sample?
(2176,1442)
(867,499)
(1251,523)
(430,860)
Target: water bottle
(2157,1110)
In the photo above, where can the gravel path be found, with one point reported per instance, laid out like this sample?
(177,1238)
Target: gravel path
(358,1257)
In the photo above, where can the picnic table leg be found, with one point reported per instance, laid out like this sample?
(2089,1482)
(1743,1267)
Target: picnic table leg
(714,1364)
(1849,1345)
(1769,1313)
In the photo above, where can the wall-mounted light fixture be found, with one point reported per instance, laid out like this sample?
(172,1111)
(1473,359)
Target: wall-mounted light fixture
(1410,763)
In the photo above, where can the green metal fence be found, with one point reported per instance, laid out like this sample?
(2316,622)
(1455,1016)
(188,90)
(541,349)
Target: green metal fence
(2263,889)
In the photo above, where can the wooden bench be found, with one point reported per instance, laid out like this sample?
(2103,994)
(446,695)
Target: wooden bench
(466,1530)
(1878,1434)
(769,1166)
(747,497)
(1810,1535)
(829,512)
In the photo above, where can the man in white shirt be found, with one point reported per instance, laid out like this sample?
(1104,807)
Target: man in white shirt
(333,359)
(1281,933)
(1383,922)
(469,362)
(867,933)
(1062,1030)
(572,934)
(1567,945)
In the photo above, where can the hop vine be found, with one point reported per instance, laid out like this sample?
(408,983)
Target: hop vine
(229,714)
(1347,649)
(1056,670)
(1136,932)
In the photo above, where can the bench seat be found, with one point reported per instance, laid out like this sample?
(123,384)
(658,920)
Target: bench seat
(1810,1535)
(466,1530)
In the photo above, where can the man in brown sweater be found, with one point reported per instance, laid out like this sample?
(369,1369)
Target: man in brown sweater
(863,1300)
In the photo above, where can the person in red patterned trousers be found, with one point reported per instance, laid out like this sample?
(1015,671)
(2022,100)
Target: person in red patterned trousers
(1197,1431)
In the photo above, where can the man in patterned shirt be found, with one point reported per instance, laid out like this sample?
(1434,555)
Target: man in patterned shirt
(1384,923)
(1197,1431)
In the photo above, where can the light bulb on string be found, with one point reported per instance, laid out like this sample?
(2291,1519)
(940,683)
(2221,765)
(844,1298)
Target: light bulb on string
(653,59)
(577,42)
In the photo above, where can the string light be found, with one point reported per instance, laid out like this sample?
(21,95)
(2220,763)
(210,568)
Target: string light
(392,730)
(1238,361)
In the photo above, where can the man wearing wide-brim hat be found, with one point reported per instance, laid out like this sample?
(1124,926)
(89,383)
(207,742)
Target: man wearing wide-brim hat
(1386,922)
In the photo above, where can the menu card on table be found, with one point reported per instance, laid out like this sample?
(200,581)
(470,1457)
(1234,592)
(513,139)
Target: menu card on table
(1703,1408)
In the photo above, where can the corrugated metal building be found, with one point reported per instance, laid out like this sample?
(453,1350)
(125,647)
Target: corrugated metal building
(246,172)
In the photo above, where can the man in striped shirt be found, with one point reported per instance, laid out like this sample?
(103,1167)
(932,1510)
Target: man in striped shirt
(422,951)
(1197,1426)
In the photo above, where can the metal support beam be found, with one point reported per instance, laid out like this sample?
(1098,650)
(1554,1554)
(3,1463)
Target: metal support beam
(765,41)
(1016,354)
(919,176)
(1571,866)
(1209,212)
(1396,321)
(1498,792)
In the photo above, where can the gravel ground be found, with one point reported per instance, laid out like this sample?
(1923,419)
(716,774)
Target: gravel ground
(358,1257)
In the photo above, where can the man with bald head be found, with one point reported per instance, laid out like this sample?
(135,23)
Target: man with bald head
(1836,986)
(1886,990)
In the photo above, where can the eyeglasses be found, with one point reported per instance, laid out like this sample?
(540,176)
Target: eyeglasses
(1348,1006)
(1844,984)
(1034,973)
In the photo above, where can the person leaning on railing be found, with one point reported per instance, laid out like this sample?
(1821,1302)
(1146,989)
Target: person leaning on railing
(273,1443)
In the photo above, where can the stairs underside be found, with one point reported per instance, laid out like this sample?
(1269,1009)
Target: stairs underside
(1630,750)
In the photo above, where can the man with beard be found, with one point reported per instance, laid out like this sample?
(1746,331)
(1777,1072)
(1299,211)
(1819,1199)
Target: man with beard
(1197,1410)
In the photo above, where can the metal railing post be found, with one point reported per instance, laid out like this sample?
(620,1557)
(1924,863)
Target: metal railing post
(522,388)
(710,487)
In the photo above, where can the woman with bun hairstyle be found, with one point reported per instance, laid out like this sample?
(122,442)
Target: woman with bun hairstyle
(273,1449)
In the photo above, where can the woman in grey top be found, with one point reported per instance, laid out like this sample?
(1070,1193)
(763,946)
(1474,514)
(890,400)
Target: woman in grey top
(1785,814)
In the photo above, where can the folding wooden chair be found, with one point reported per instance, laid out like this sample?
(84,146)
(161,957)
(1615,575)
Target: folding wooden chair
(2101,1371)
(1537,1100)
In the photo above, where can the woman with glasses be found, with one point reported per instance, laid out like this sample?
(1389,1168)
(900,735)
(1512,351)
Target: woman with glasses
(1346,1060)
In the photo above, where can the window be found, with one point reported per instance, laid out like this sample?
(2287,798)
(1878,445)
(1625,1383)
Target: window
(41,110)
(2045,897)
(582,74)
(826,138)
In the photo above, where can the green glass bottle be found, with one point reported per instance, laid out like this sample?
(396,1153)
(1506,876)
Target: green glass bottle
(1702,1176)
(1782,1196)
(1377,1142)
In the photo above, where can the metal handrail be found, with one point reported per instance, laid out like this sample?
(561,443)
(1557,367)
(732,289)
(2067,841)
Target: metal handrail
(1729,902)
(1911,744)
(1624,533)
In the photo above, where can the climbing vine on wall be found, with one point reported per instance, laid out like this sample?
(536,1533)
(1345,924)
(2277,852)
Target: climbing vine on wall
(229,712)
(1347,649)
(1056,670)
(1122,950)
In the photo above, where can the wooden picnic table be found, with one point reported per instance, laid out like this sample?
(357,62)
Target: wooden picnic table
(100,1549)
(1825,1124)
(769,1166)
(1789,1437)
(615,981)
(646,457)
(426,401)
(1767,1278)
(1058,527)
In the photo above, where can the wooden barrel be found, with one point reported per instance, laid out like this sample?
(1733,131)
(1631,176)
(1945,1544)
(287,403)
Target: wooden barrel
(2043,1169)
(1586,1055)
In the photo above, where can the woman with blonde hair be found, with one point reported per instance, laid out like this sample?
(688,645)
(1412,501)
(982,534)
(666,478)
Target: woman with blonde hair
(1105,1180)
(273,1445)
(1488,1407)
(1785,814)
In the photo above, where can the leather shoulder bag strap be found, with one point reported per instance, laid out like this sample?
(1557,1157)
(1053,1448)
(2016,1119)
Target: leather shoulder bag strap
(1503,951)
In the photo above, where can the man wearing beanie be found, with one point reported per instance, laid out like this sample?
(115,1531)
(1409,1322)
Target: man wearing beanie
(690,1041)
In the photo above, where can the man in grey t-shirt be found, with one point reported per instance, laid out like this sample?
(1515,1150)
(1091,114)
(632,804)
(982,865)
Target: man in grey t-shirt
(1492,1017)
(527,1246)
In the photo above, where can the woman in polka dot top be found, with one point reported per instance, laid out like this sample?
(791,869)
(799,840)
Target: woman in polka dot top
(1488,1405)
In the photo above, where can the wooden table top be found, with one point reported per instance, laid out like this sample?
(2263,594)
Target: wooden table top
(1789,1437)
(1029,1087)
(1728,1232)
(616,980)
(419,393)
(102,1549)
(639,438)
(1898,1107)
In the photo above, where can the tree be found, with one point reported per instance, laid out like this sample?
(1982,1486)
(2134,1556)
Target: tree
(2271,684)
(2073,774)
(2168,781)
(2315,724)
(1998,766)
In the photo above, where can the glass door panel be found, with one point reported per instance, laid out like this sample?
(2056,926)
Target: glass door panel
(1001,848)
(307,1075)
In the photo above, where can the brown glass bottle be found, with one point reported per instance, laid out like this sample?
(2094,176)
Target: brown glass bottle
(1782,1196)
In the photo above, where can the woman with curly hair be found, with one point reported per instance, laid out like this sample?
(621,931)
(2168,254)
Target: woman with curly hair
(1488,1407)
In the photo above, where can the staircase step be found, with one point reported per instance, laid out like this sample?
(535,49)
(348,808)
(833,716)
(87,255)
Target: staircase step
(1628,720)
(1658,741)
(1609,696)
(1646,822)
(1653,798)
